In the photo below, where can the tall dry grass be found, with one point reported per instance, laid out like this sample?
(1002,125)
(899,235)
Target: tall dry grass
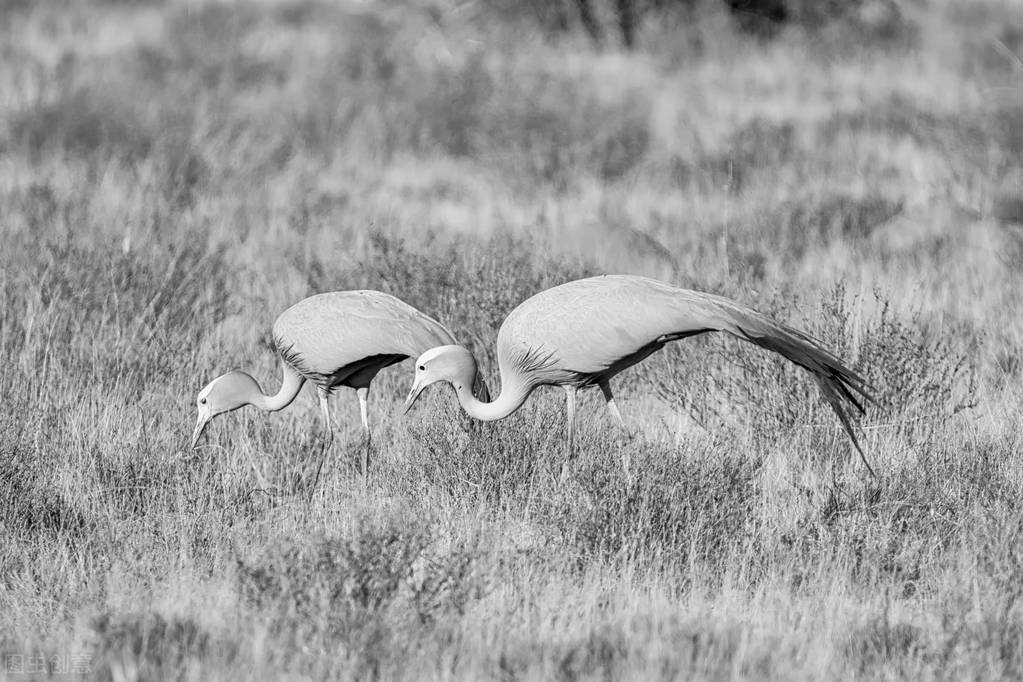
(172,175)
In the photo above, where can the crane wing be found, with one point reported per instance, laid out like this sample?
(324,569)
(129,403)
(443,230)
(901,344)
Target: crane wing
(329,331)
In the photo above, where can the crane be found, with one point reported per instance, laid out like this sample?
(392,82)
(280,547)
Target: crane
(340,338)
(582,333)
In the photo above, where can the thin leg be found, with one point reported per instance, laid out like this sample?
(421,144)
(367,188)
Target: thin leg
(364,408)
(605,388)
(326,443)
(326,413)
(570,411)
(570,414)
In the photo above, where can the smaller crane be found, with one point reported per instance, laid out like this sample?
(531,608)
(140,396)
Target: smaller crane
(341,338)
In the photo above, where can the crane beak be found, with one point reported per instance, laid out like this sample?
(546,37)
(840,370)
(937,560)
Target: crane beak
(200,426)
(413,395)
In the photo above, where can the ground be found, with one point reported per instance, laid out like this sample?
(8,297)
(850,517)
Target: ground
(174,174)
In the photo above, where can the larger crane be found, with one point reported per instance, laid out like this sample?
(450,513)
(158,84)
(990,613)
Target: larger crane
(582,333)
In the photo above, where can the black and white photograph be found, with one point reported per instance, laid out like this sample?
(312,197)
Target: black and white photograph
(614,340)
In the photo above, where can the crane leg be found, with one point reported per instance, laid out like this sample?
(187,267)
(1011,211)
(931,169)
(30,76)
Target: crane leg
(326,443)
(570,410)
(605,388)
(326,414)
(364,409)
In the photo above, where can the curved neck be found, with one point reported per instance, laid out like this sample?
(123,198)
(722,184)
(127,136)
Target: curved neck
(513,394)
(291,384)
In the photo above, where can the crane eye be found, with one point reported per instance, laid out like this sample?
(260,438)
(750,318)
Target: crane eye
(422,368)
(203,401)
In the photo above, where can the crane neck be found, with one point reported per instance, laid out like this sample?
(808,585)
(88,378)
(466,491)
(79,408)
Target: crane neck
(291,384)
(513,394)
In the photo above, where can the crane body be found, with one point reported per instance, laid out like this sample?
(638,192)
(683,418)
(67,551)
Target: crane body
(581,334)
(341,338)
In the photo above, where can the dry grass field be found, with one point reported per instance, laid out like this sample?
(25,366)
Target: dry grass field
(174,174)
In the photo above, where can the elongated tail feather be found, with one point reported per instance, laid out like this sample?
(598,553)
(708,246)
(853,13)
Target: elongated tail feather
(840,386)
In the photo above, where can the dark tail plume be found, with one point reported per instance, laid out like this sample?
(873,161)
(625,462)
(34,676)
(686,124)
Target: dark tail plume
(841,387)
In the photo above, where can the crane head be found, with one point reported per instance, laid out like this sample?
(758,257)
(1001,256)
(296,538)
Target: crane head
(225,393)
(453,364)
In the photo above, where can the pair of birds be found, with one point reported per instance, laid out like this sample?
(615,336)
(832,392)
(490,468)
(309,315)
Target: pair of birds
(576,335)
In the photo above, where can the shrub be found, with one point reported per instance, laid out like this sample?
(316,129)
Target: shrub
(498,465)
(922,378)
(536,127)
(800,227)
(878,645)
(31,504)
(151,646)
(755,147)
(540,126)
(367,596)
(674,510)
(85,122)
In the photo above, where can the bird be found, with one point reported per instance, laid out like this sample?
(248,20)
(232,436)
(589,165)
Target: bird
(582,333)
(339,338)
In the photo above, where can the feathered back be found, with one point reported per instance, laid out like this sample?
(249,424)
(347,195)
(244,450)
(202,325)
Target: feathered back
(327,331)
